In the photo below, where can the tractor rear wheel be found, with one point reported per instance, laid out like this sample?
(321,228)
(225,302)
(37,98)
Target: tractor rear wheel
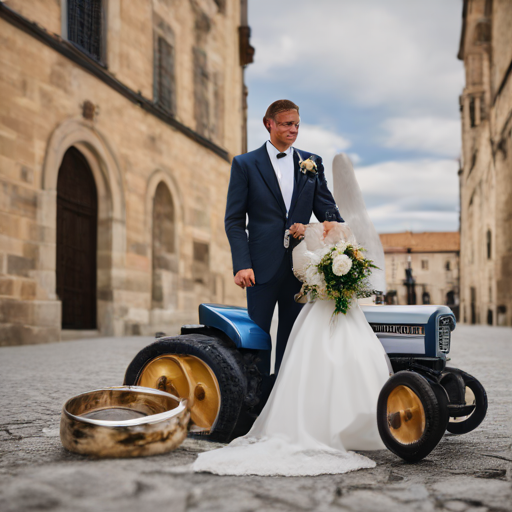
(410,417)
(204,369)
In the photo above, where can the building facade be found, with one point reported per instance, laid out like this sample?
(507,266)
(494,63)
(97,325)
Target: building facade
(486,167)
(118,122)
(433,260)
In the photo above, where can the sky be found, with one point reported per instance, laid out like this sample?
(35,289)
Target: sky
(378,80)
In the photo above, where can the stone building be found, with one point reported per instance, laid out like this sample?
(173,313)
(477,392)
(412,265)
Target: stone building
(118,122)
(486,170)
(434,261)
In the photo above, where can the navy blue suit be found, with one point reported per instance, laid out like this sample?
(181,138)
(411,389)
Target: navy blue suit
(254,192)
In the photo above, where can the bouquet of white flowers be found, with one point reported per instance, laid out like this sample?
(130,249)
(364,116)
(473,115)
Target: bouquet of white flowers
(338,272)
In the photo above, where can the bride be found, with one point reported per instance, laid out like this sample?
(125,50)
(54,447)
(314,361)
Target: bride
(324,401)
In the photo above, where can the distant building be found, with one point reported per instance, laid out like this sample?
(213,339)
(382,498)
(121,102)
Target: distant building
(433,259)
(486,170)
(118,123)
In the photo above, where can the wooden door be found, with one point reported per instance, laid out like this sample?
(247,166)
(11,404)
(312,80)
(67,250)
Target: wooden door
(77,219)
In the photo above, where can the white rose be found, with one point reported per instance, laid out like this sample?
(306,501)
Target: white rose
(341,264)
(341,246)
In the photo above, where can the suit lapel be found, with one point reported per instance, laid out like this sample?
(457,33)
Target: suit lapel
(264,166)
(300,181)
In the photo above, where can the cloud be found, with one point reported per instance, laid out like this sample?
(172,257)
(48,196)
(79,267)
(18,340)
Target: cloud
(372,52)
(389,221)
(378,80)
(434,135)
(416,195)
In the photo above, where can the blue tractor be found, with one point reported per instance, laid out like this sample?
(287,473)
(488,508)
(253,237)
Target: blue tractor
(214,364)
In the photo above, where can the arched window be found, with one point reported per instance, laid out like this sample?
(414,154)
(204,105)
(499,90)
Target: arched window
(164,243)
(489,244)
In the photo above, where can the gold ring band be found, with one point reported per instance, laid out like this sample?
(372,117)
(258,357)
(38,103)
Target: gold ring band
(124,421)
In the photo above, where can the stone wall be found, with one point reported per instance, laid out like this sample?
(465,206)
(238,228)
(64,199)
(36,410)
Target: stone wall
(486,171)
(49,102)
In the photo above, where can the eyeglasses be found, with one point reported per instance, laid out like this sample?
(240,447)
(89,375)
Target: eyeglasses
(289,125)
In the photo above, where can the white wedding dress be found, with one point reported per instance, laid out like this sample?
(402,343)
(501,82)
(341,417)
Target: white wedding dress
(324,401)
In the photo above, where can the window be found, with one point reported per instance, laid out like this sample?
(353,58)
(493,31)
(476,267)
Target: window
(488,8)
(201,262)
(164,247)
(489,242)
(448,265)
(473,305)
(85,26)
(164,75)
(208,76)
(424,264)
(450,298)
(201,90)
(472,112)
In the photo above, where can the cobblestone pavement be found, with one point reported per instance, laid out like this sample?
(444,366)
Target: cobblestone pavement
(468,473)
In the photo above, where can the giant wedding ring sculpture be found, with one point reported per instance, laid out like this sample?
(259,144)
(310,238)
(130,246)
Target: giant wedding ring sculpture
(124,421)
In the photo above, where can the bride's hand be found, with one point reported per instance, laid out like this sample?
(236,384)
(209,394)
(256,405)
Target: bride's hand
(328,225)
(297,230)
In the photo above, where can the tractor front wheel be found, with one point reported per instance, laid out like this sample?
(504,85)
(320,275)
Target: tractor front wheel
(411,416)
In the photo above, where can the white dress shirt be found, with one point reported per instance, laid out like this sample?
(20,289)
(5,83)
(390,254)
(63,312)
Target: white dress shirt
(284,169)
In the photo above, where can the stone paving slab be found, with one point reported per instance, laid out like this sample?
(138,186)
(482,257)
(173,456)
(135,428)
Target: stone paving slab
(470,473)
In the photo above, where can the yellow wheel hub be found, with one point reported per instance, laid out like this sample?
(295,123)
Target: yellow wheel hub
(406,416)
(187,377)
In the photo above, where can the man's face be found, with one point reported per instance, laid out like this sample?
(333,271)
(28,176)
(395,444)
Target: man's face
(285,128)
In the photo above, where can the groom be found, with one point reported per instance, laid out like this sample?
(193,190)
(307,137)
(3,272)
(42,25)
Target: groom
(269,188)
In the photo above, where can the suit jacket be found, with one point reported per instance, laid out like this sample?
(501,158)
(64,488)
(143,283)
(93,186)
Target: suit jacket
(254,192)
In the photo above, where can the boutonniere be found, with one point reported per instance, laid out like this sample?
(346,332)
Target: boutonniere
(309,167)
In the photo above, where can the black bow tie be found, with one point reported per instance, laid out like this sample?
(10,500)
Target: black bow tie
(281,155)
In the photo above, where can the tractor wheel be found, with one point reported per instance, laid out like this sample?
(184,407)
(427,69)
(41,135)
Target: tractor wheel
(475,396)
(204,369)
(410,418)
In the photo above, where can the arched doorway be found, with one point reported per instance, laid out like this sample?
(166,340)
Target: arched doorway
(77,220)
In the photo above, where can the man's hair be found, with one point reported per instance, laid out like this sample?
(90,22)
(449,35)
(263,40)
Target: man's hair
(276,108)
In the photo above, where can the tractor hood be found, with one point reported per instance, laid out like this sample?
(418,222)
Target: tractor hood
(376,314)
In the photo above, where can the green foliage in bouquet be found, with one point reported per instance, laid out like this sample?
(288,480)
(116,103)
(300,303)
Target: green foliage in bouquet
(341,275)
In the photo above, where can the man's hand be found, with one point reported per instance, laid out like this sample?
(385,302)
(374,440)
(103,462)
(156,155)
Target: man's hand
(245,277)
(297,230)
(328,225)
